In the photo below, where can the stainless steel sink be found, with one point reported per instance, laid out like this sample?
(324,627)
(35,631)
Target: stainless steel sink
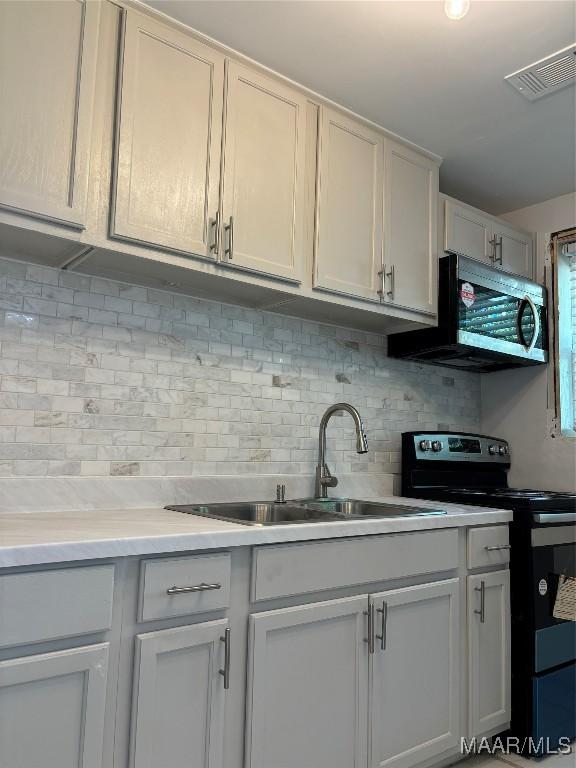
(302,511)
(355,508)
(259,513)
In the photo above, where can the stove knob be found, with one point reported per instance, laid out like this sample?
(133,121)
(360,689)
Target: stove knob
(437,446)
(424,445)
(493,450)
(502,450)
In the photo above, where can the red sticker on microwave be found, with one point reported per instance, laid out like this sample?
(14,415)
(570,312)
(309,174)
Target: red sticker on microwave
(467,294)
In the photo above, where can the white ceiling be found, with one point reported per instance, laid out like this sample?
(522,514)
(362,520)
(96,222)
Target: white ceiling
(440,83)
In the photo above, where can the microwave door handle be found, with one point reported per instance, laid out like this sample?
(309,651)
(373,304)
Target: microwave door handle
(529,346)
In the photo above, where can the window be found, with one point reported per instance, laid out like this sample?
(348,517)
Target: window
(564,286)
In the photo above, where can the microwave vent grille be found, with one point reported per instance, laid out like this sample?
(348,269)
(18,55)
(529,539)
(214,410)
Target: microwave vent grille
(547,75)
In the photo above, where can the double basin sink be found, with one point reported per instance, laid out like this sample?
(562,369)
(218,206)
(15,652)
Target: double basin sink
(303,511)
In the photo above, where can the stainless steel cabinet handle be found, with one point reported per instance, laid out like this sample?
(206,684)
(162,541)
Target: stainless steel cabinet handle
(382,635)
(229,250)
(493,254)
(226,671)
(380,290)
(482,611)
(215,244)
(497,547)
(391,275)
(203,587)
(498,244)
(370,638)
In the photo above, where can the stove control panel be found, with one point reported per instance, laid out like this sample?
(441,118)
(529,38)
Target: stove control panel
(459,447)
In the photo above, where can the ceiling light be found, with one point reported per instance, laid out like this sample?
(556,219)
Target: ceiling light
(456,9)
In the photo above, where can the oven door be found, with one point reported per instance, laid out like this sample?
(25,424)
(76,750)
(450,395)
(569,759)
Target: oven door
(553,555)
(500,312)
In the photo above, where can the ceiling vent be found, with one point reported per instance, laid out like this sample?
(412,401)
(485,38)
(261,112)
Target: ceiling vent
(547,75)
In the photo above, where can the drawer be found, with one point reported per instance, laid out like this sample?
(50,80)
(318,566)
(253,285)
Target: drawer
(179,586)
(295,569)
(45,605)
(488,546)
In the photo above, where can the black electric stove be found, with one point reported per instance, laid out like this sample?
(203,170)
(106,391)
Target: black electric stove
(473,469)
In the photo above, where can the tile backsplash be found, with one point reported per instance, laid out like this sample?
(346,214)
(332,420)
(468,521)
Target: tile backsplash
(103,378)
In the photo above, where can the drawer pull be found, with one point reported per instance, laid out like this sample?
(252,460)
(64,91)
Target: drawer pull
(497,547)
(196,588)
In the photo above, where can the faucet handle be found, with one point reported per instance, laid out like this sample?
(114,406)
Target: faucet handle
(327,479)
(280,494)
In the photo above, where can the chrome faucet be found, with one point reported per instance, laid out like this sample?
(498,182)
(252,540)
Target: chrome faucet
(324,478)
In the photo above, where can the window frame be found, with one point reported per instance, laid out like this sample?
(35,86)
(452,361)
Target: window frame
(564,389)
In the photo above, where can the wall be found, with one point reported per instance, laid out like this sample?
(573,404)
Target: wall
(515,403)
(101,378)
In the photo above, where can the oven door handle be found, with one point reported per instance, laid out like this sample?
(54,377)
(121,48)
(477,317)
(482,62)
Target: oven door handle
(527,301)
(555,517)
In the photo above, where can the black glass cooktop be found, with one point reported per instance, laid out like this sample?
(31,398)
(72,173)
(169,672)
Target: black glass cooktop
(511,498)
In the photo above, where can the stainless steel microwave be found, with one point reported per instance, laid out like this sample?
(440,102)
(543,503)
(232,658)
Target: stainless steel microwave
(488,320)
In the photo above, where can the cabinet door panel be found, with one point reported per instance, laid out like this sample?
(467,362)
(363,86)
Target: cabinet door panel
(410,229)
(415,678)
(52,709)
(308,686)
(169,134)
(263,176)
(349,207)
(467,232)
(47,70)
(179,697)
(489,649)
(515,249)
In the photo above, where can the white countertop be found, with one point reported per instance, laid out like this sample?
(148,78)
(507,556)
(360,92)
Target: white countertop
(33,538)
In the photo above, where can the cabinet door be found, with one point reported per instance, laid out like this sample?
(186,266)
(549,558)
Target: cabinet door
(263,174)
(308,686)
(168,139)
(178,707)
(410,229)
(349,207)
(514,249)
(468,232)
(489,651)
(52,709)
(415,674)
(47,70)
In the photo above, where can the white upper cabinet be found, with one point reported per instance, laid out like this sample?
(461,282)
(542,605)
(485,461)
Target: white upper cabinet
(513,249)
(263,184)
(468,232)
(349,206)
(471,232)
(168,139)
(47,72)
(410,229)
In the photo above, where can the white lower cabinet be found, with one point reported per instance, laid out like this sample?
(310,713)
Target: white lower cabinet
(308,686)
(178,705)
(321,695)
(489,651)
(414,674)
(52,709)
